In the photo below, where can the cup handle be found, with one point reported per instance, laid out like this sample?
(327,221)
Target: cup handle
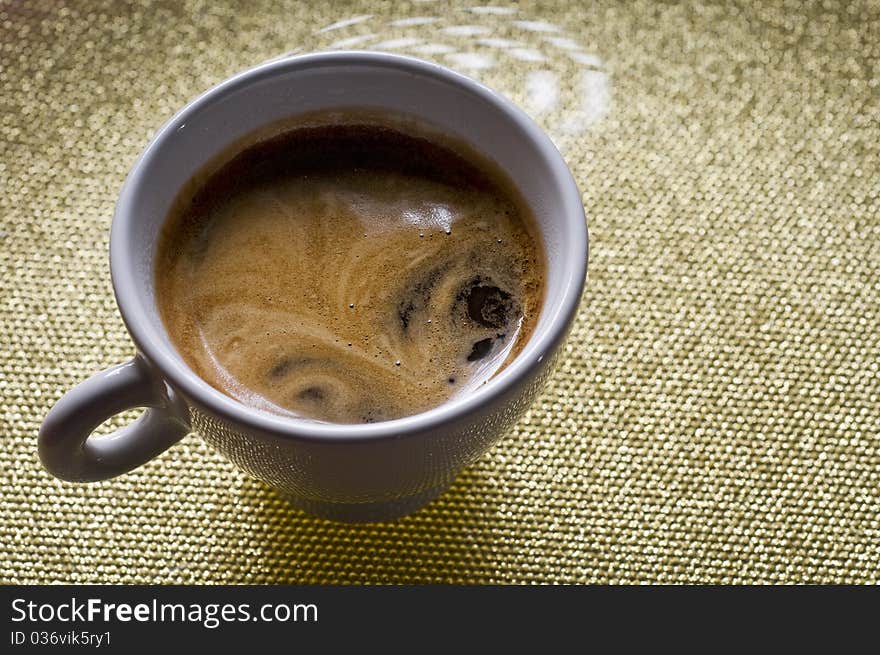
(66,447)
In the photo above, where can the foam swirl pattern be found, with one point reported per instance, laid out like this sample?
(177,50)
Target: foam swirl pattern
(324,274)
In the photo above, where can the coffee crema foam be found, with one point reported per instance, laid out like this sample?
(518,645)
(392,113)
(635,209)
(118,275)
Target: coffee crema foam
(349,272)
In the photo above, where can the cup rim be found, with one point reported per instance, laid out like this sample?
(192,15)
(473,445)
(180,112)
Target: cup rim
(172,368)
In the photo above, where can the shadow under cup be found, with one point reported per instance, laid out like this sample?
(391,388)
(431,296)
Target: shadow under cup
(350,472)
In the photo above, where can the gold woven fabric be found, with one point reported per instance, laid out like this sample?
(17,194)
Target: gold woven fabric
(716,414)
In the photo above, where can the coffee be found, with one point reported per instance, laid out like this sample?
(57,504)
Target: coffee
(352,271)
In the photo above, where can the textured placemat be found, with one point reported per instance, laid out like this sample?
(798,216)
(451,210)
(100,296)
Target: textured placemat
(715,418)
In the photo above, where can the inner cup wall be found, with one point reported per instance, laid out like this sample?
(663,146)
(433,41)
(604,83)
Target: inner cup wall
(247,103)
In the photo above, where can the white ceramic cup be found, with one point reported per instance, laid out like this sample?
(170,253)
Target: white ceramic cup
(345,472)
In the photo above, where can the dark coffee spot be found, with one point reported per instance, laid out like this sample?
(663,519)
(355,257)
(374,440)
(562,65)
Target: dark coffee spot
(481,348)
(488,305)
(314,394)
(374,415)
(281,368)
(417,296)
(404,311)
(451,380)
